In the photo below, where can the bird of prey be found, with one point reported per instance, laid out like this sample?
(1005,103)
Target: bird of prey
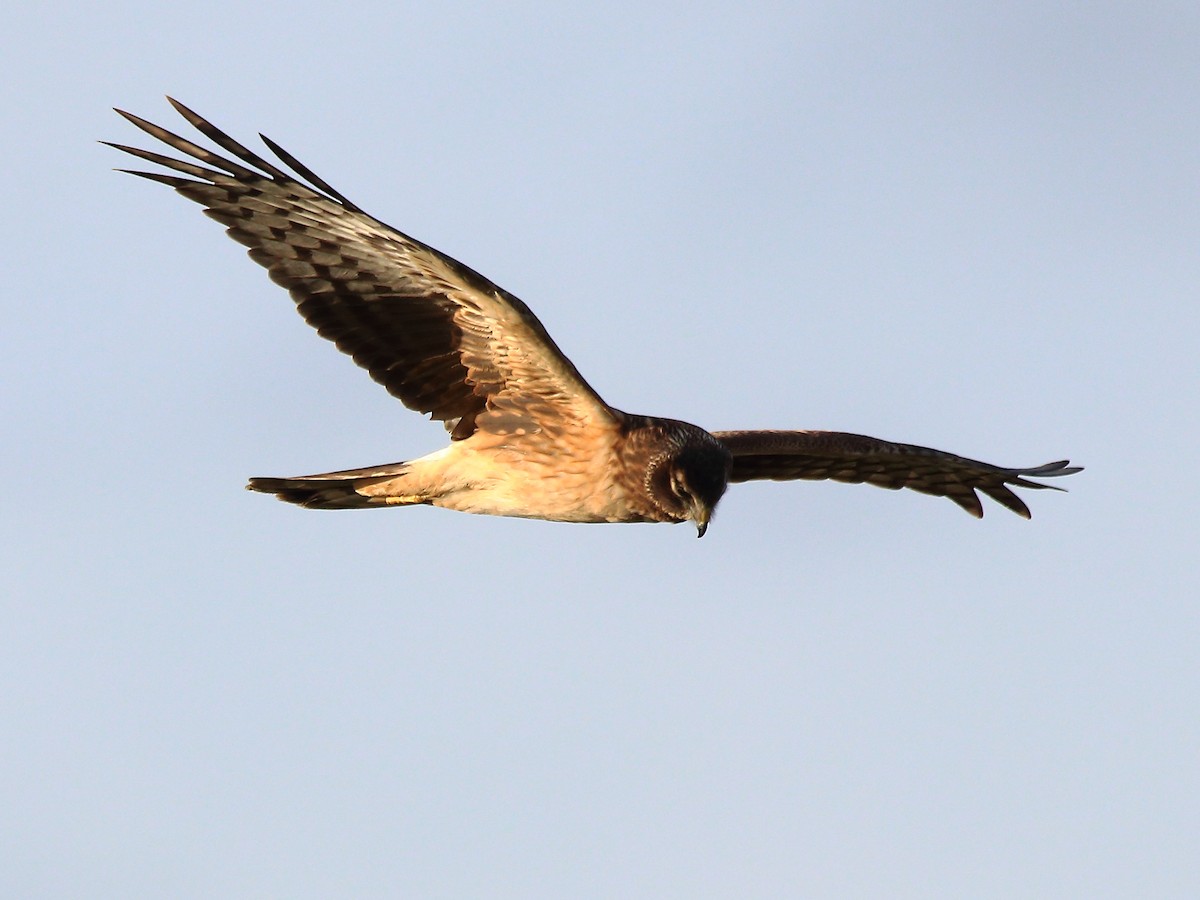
(528,436)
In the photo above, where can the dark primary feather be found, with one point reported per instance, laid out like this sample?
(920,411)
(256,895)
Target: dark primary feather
(438,335)
(858,459)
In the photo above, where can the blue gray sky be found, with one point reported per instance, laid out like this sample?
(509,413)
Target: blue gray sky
(973,227)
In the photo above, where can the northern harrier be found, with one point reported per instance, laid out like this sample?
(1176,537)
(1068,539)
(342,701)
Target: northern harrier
(528,436)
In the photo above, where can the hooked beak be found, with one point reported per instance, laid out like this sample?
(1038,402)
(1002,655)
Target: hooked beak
(700,516)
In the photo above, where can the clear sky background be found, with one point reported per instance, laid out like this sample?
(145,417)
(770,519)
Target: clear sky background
(970,226)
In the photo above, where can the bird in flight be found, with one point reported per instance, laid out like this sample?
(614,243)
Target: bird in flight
(528,436)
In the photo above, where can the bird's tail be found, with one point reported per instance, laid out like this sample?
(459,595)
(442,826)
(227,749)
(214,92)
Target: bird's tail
(341,490)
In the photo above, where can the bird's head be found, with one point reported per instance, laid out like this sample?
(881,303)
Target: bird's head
(697,475)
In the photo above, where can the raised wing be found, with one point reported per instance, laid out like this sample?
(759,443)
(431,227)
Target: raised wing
(439,336)
(858,459)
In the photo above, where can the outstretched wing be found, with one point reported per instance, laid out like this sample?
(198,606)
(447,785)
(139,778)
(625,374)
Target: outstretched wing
(858,459)
(439,336)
